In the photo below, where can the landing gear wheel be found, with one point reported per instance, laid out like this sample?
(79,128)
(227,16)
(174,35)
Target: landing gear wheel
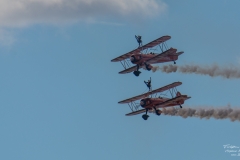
(145,116)
(147,67)
(136,73)
(174,62)
(180,106)
(158,113)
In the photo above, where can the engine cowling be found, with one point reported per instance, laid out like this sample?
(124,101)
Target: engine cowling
(135,58)
(144,102)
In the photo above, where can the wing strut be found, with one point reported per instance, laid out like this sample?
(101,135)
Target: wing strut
(163,46)
(172,91)
(133,106)
(125,64)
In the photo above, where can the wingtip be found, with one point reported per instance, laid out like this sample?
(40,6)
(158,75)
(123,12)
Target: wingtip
(113,60)
(167,36)
(180,83)
(120,102)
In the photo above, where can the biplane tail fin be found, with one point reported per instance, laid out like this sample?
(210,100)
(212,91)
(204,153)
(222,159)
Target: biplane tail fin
(178,94)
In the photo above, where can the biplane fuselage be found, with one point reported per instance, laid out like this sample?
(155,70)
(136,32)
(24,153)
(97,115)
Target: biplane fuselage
(140,58)
(150,103)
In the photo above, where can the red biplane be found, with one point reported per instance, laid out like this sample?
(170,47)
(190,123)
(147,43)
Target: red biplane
(144,60)
(151,101)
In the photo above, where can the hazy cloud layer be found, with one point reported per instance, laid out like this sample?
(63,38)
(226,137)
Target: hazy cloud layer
(6,38)
(15,13)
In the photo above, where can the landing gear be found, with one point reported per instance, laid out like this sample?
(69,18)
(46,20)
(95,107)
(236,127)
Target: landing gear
(137,72)
(147,66)
(157,111)
(174,62)
(180,106)
(145,116)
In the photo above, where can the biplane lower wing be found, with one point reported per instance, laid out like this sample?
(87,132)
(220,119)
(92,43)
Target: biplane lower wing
(169,52)
(131,69)
(149,45)
(156,42)
(175,84)
(136,112)
(173,101)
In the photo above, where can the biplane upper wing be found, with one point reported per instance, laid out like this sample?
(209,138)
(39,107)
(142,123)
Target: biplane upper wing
(156,42)
(134,98)
(149,45)
(136,112)
(168,52)
(134,68)
(125,56)
(175,84)
(152,92)
(172,101)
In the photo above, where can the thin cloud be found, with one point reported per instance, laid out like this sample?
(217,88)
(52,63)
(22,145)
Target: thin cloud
(238,60)
(18,13)
(105,23)
(6,38)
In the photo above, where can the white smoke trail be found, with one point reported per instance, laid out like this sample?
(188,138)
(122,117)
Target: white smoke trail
(213,70)
(155,68)
(207,113)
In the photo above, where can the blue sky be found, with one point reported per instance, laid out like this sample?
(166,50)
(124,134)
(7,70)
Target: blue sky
(59,90)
